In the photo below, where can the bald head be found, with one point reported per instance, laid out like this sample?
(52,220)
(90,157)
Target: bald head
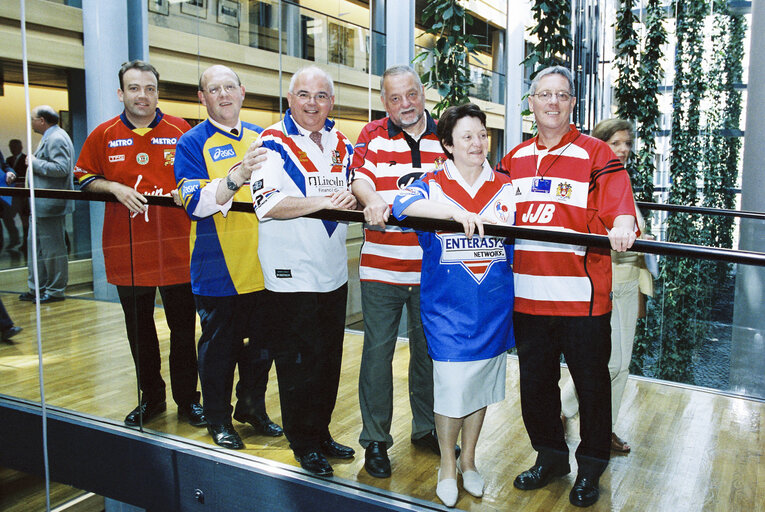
(222,93)
(47,113)
(217,68)
(43,117)
(311,73)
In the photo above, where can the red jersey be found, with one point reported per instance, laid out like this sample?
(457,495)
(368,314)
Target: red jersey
(578,185)
(152,248)
(389,160)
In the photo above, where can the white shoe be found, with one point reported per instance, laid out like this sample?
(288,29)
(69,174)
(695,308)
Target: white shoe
(472,481)
(446,490)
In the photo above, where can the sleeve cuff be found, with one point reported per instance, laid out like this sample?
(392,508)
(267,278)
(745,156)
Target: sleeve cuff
(207,205)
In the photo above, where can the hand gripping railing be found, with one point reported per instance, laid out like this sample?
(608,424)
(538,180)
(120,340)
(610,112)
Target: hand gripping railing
(649,246)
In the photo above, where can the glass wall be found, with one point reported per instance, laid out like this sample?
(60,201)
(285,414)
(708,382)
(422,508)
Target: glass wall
(693,331)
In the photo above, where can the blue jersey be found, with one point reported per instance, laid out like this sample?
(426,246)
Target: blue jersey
(466,291)
(224,249)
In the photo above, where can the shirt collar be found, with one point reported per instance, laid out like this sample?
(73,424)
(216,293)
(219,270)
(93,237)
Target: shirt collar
(430,127)
(157,118)
(48,131)
(567,138)
(291,127)
(487,174)
(227,129)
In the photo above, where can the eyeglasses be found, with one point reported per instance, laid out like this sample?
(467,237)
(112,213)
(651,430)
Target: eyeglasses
(216,89)
(562,96)
(319,97)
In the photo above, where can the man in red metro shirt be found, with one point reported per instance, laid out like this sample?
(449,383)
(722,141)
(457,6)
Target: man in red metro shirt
(564,180)
(144,246)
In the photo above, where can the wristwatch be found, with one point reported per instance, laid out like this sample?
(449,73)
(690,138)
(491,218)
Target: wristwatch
(231,184)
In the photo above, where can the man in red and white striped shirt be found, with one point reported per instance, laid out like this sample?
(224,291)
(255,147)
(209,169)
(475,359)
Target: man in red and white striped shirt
(566,181)
(390,154)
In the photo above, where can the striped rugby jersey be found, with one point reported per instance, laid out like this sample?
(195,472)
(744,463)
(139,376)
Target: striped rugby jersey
(466,296)
(224,248)
(389,160)
(301,254)
(583,188)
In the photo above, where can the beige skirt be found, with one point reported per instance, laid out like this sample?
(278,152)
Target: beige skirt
(461,388)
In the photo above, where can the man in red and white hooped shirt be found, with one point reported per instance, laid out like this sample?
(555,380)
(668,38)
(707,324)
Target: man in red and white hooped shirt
(390,154)
(568,181)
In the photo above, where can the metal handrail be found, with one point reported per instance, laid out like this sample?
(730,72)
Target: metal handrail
(568,237)
(704,210)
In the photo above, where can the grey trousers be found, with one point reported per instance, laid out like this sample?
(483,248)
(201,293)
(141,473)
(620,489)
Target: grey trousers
(52,261)
(381,305)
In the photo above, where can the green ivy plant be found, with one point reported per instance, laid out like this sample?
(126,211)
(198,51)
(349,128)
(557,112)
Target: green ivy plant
(450,73)
(626,58)
(647,123)
(684,292)
(553,34)
(722,146)
(648,118)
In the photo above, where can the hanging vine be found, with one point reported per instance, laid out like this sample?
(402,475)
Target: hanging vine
(552,33)
(722,145)
(450,73)
(650,77)
(626,49)
(684,292)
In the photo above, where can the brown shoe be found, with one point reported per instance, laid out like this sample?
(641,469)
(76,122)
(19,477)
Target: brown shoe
(618,444)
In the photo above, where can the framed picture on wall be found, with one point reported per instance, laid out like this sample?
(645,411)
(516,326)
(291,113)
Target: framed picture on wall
(160,6)
(228,12)
(196,8)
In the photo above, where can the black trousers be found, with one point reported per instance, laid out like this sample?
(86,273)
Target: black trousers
(305,339)
(226,323)
(5,319)
(138,306)
(585,342)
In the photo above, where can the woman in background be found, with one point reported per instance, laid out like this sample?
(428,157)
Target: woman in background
(629,278)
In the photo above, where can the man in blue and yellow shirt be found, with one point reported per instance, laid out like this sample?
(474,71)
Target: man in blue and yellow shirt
(226,276)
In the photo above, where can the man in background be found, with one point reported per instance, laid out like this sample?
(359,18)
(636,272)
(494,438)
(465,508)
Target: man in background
(52,165)
(19,204)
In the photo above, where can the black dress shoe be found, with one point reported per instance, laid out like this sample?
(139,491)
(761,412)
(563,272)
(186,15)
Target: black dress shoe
(538,476)
(261,423)
(29,296)
(149,410)
(430,441)
(45,298)
(376,460)
(331,448)
(9,333)
(585,491)
(193,414)
(224,435)
(314,462)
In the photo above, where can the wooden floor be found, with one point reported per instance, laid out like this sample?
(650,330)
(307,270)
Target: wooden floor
(692,450)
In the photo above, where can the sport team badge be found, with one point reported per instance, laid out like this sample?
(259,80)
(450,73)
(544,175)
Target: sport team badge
(563,191)
(169,156)
(502,211)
